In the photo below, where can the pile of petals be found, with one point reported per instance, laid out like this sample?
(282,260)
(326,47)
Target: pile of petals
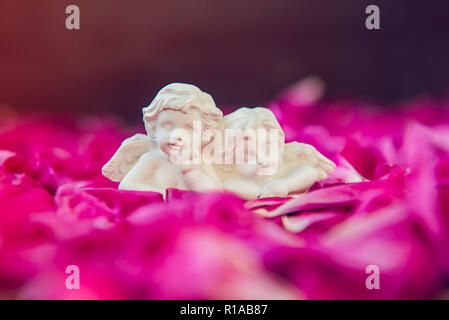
(386,205)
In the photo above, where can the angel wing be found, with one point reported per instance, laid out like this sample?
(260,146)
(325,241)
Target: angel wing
(126,156)
(297,154)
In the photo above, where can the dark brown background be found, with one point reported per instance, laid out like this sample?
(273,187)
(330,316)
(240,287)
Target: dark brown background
(241,51)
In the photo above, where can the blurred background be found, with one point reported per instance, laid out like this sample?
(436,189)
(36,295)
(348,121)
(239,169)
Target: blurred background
(242,52)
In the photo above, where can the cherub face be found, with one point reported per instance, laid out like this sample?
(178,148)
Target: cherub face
(168,136)
(263,162)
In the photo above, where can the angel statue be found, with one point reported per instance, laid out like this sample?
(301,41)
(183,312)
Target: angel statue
(290,168)
(166,156)
(146,162)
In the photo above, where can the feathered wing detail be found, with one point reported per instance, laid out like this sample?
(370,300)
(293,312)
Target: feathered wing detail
(126,156)
(297,154)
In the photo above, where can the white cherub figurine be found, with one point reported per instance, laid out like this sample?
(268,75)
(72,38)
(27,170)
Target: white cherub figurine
(290,169)
(145,162)
(153,162)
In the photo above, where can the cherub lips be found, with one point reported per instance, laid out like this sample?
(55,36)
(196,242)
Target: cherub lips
(175,145)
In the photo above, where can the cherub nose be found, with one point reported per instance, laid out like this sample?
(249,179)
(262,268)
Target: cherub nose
(176,139)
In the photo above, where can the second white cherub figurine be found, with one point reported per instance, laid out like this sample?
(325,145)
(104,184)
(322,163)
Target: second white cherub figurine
(286,170)
(153,162)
